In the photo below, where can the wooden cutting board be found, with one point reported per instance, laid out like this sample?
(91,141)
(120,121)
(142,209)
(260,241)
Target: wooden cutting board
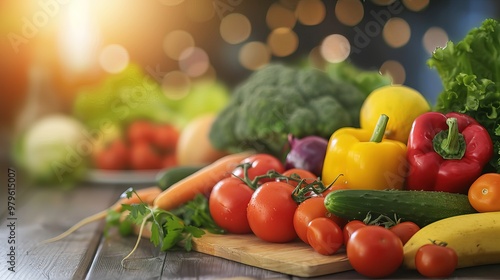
(295,258)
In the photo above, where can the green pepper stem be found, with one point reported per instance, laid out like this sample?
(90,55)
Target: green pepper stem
(450,144)
(379,131)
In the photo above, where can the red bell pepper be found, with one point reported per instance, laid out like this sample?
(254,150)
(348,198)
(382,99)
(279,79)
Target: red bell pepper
(446,152)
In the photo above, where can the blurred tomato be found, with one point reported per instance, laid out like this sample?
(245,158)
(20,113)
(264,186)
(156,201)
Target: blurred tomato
(165,137)
(140,131)
(143,156)
(113,157)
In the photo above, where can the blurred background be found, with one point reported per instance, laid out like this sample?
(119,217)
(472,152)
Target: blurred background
(52,50)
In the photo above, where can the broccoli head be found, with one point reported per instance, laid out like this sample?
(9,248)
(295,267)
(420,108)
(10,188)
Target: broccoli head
(278,100)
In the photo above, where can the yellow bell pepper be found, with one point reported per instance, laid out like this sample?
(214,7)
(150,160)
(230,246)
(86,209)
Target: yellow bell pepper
(364,159)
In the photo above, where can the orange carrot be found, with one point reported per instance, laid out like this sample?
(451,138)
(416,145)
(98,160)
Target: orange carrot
(200,182)
(146,195)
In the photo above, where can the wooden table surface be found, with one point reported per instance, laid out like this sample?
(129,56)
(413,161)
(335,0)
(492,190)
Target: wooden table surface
(44,212)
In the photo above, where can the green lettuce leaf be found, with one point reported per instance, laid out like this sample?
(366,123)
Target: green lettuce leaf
(470,73)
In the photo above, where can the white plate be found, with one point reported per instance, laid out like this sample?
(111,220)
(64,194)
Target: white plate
(122,176)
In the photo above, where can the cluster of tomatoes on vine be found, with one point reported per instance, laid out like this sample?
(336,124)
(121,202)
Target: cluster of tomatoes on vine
(279,206)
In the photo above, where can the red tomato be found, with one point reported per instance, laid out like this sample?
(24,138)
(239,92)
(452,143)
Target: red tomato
(228,205)
(270,212)
(142,156)
(350,228)
(309,210)
(301,173)
(375,251)
(140,131)
(114,157)
(325,236)
(169,161)
(261,164)
(405,230)
(436,261)
(165,137)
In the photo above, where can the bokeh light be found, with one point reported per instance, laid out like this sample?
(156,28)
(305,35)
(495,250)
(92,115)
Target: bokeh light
(176,85)
(335,48)
(114,58)
(235,28)
(176,42)
(396,32)
(254,55)
(395,70)
(310,12)
(194,62)
(280,16)
(434,37)
(349,12)
(415,5)
(283,41)
(383,2)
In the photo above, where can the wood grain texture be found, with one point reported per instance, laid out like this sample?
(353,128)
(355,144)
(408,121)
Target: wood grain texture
(42,213)
(294,258)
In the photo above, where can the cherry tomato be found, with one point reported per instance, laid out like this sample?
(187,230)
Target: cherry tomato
(301,173)
(375,251)
(436,261)
(140,131)
(165,137)
(228,205)
(142,156)
(405,230)
(261,164)
(350,228)
(270,212)
(309,210)
(484,193)
(114,157)
(325,236)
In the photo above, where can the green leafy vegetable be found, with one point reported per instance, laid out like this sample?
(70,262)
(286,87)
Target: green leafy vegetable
(278,100)
(168,228)
(470,73)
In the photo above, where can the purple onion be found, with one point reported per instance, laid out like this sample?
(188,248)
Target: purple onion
(306,153)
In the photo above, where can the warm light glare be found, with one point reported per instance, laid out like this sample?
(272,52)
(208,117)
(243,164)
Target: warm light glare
(200,11)
(78,36)
(311,12)
(171,2)
(235,28)
(396,32)
(349,12)
(176,42)
(114,58)
(279,16)
(335,48)
(395,70)
(194,62)
(254,55)
(283,41)
(434,37)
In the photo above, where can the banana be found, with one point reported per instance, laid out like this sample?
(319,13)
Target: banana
(474,237)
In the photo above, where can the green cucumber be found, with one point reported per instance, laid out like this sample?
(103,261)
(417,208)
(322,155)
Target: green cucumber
(170,176)
(420,207)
